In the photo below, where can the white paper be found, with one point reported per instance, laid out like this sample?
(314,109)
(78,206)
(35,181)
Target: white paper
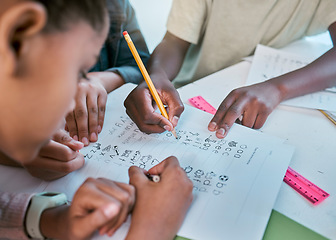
(269,63)
(236,179)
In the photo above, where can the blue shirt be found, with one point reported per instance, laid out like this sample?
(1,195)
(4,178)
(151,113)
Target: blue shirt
(115,55)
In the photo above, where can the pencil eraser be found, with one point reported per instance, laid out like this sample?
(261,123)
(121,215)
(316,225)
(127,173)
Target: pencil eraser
(125,33)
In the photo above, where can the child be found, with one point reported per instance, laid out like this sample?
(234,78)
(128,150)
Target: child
(205,36)
(45,48)
(115,67)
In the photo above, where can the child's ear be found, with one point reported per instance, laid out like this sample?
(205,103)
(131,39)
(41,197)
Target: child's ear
(18,24)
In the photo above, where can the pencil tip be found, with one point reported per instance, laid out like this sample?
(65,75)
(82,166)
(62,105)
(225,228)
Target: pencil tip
(174,133)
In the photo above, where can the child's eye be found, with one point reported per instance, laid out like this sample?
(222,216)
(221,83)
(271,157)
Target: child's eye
(83,75)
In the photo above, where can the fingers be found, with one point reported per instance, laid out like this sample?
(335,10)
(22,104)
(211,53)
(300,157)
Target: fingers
(63,137)
(104,201)
(102,99)
(139,107)
(253,103)
(228,112)
(93,208)
(92,123)
(137,176)
(57,159)
(151,123)
(261,119)
(175,105)
(98,218)
(71,125)
(58,152)
(49,168)
(81,116)
(170,162)
(50,164)
(249,117)
(87,119)
(125,194)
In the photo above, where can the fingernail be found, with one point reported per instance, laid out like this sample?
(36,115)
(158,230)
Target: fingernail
(221,132)
(74,141)
(175,120)
(85,141)
(110,210)
(166,127)
(110,233)
(75,137)
(93,137)
(212,126)
(99,128)
(103,231)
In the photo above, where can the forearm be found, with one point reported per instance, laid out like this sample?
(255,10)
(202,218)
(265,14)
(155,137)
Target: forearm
(168,57)
(109,80)
(316,76)
(13,208)
(140,230)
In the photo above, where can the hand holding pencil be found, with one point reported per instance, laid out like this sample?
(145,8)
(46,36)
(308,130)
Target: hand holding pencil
(148,80)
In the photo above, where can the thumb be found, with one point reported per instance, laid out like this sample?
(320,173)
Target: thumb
(98,218)
(64,138)
(137,176)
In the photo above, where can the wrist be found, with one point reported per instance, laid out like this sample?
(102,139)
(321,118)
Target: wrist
(109,80)
(278,89)
(160,76)
(35,216)
(53,222)
(149,229)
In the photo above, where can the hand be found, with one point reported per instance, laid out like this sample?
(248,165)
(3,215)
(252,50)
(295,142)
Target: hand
(140,107)
(160,207)
(252,103)
(99,204)
(57,158)
(85,122)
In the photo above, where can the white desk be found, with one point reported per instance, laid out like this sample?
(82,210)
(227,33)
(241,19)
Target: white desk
(313,135)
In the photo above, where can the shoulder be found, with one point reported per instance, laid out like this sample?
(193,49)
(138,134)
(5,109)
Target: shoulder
(117,9)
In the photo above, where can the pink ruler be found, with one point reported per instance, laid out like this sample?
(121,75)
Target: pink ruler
(307,189)
(200,103)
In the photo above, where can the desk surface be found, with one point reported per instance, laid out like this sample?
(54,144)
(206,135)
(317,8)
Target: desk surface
(281,227)
(306,129)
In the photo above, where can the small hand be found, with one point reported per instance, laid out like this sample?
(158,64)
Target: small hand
(251,105)
(57,158)
(86,121)
(99,204)
(160,207)
(140,107)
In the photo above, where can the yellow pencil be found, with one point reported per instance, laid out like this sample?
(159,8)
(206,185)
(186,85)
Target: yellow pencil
(147,78)
(329,116)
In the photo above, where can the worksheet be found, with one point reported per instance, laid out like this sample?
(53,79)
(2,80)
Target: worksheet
(236,179)
(269,63)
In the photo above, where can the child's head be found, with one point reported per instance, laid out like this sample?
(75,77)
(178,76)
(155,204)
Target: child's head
(45,47)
